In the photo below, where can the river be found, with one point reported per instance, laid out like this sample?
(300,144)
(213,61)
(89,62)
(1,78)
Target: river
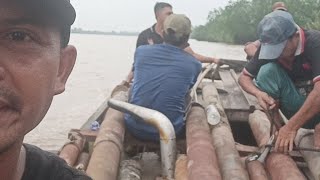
(103,62)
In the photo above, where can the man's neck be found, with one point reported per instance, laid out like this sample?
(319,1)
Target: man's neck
(12,162)
(159,29)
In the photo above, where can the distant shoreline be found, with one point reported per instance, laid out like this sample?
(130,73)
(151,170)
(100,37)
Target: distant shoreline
(121,33)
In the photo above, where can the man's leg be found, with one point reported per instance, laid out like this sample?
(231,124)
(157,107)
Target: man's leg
(273,80)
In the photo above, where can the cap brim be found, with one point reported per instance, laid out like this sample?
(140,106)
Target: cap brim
(271,51)
(59,10)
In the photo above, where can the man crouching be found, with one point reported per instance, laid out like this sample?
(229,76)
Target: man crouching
(35,63)
(164,74)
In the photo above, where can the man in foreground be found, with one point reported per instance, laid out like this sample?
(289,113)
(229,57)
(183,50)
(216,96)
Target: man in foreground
(164,74)
(288,54)
(154,35)
(35,63)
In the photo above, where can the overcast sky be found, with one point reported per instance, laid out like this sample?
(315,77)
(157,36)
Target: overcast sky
(136,15)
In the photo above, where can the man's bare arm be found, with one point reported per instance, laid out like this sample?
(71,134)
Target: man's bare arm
(309,109)
(201,58)
(265,101)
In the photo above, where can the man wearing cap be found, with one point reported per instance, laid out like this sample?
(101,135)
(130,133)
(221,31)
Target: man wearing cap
(164,74)
(35,62)
(250,48)
(288,55)
(154,35)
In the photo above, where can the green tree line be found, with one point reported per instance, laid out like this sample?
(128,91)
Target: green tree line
(237,22)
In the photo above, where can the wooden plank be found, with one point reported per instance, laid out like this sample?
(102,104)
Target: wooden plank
(253,102)
(234,99)
(97,115)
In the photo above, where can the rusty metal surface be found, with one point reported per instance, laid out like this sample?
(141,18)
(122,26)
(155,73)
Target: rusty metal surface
(256,170)
(260,126)
(305,138)
(71,150)
(83,161)
(245,150)
(282,167)
(317,136)
(202,160)
(87,133)
(223,141)
(130,170)
(105,158)
(181,172)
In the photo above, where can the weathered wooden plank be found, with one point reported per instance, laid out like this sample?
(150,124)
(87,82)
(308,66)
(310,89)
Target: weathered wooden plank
(234,99)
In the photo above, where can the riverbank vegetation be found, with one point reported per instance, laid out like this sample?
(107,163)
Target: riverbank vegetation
(238,21)
(121,33)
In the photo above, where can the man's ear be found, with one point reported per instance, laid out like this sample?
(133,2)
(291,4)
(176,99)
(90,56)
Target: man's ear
(67,61)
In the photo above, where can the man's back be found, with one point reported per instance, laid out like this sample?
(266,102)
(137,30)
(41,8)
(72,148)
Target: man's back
(163,76)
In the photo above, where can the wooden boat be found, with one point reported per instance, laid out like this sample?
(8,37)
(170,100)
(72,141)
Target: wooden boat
(227,137)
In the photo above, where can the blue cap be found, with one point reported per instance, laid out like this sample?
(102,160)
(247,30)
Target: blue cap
(274,31)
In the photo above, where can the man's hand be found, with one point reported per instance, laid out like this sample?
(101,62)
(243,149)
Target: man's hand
(285,139)
(265,101)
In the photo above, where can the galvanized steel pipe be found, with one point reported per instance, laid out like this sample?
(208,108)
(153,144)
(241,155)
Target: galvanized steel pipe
(165,128)
(228,157)
(282,167)
(105,158)
(202,160)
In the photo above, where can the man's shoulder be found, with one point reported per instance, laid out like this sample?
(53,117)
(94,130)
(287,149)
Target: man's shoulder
(146,32)
(41,164)
(312,38)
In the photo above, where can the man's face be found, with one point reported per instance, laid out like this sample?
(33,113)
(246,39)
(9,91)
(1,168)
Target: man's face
(288,53)
(163,14)
(33,68)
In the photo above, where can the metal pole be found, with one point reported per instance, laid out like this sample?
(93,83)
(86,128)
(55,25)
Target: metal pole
(106,155)
(165,128)
(203,163)
(228,157)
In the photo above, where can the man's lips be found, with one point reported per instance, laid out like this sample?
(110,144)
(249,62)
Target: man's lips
(8,114)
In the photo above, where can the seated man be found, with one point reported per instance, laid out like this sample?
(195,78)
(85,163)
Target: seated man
(35,62)
(164,74)
(288,54)
(154,35)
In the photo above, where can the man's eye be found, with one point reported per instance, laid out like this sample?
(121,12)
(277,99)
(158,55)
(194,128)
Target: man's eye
(19,36)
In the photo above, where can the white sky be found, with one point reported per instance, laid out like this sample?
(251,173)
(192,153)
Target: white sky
(136,15)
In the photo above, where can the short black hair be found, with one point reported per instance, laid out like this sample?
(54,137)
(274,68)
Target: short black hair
(170,38)
(160,5)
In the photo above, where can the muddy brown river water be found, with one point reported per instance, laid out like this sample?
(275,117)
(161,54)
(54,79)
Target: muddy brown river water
(103,61)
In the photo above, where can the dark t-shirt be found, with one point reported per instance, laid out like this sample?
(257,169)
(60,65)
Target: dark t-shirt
(163,75)
(42,165)
(147,35)
(151,35)
(306,65)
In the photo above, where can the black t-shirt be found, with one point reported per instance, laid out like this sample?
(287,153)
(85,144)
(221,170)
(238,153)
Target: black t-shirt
(150,35)
(306,65)
(147,35)
(42,165)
